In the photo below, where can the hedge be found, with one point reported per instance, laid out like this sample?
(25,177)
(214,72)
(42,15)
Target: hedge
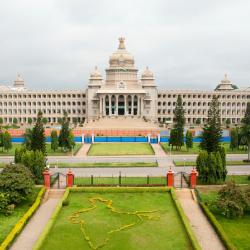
(194,242)
(21,223)
(217,227)
(51,222)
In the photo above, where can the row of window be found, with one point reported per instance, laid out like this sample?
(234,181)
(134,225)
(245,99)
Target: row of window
(203,96)
(35,111)
(203,112)
(233,104)
(14,96)
(42,103)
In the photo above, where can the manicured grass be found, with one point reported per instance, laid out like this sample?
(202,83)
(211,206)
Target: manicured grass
(196,149)
(108,149)
(193,163)
(104,164)
(238,179)
(81,181)
(237,230)
(163,232)
(8,222)
(50,152)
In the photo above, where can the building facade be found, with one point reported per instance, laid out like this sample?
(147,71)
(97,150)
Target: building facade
(121,93)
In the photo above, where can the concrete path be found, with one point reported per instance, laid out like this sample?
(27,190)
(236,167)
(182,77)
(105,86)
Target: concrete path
(83,150)
(203,230)
(32,231)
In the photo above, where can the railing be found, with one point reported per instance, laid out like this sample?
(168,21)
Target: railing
(119,181)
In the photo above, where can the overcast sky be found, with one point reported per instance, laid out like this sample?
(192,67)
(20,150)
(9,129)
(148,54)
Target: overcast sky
(55,44)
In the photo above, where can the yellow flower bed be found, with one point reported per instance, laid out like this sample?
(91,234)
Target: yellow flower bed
(21,223)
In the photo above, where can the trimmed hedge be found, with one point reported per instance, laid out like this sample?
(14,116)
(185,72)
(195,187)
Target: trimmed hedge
(21,223)
(218,228)
(194,242)
(51,222)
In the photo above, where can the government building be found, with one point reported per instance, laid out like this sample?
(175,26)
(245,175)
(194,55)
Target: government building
(122,93)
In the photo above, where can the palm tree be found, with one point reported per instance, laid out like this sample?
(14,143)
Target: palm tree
(245,129)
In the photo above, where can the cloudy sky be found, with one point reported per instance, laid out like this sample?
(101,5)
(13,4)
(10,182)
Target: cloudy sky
(55,44)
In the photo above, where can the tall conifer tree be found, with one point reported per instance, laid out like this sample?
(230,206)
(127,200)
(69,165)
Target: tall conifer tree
(245,129)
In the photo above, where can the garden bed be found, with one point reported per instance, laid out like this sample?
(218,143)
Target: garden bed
(112,149)
(117,218)
(233,232)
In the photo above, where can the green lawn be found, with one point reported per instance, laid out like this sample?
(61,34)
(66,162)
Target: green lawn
(163,231)
(238,230)
(193,163)
(81,181)
(104,164)
(8,222)
(108,149)
(238,179)
(196,149)
(50,152)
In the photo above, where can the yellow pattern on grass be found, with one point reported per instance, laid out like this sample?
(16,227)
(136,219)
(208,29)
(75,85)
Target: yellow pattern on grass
(75,219)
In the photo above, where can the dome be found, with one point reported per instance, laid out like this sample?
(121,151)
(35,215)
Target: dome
(121,58)
(225,84)
(19,82)
(147,74)
(96,74)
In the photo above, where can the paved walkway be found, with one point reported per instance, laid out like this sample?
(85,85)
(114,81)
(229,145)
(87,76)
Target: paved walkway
(83,150)
(205,233)
(32,231)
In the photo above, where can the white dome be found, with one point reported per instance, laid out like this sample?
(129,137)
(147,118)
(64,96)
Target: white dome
(121,58)
(147,74)
(95,73)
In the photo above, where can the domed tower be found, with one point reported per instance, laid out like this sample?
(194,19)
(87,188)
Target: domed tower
(147,78)
(121,68)
(225,84)
(19,82)
(95,79)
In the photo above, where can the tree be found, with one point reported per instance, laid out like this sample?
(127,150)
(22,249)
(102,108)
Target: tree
(179,119)
(30,120)
(245,129)
(15,120)
(16,181)
(1,121)
(173,138)
(38,137)
(233,201)
(28,139)
(7,143)
(234,139)
(198,121)
(228,121)
(64,133)
(212,132)
(75,121)
(189,139)
(44,120)
(1,140)
(71,140)
(54,140)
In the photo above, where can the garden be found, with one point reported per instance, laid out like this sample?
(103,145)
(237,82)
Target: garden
(112,149)
(116,218)
(228,210)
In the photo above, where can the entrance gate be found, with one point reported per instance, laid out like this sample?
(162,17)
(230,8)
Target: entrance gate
(181,180)
(58,180)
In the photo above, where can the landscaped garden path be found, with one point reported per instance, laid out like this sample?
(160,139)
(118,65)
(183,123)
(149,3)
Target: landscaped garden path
(205,233)
(34,228)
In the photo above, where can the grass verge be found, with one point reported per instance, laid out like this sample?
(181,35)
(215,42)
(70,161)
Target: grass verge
(104,164)
(193,163)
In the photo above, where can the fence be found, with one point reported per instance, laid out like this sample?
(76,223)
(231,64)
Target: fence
(120,181)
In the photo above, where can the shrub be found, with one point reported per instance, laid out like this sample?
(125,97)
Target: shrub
(16,182)
(4,202)
(233,201)
(65,202)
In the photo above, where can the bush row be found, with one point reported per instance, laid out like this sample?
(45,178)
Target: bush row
(51,222)
(194,242)
(218,228)
(21,223)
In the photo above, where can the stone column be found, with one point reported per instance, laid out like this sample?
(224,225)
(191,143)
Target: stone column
(110,105)
(103,106)
(125,105)
(100,107)
(132,105)
(116,105)
(141,106)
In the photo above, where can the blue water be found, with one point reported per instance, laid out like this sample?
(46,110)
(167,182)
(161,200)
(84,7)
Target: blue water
(118,139)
